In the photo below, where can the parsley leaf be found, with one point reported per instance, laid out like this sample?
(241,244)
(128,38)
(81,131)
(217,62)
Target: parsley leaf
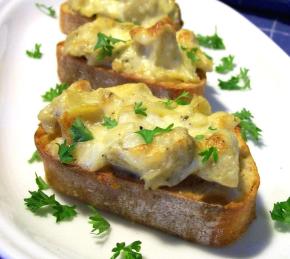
(99,223)
(42,185)
(109,123)
(128,252)
(63,212)
(148,135)
(35,157)
(65,152)
(281,211)
(106,45)
(36,53)
(54,92)
(234,82)
(248,127)
(226,66)
(48,10)
(199,137)
(212,128)
(206,154)
(211,42)
(191,53)
(182,99)
(39,199)
(140,109)
(79,132)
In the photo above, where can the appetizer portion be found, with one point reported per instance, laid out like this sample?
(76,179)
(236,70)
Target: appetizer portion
(149,159)
(107,53)
(75,13)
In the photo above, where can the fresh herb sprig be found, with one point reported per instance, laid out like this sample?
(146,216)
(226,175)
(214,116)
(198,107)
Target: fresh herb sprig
(148,135)
(182,99)
(109,123)
(39,200)
(191,53)
(227,65)
(35,157)
(35,53)
(281,211)
(99,223)
(127,252)
(54,92)
(65,152)
(211,41)
(48,10)
(238,82)
(79,132)
(140,109)
(208,153)
(248,128)
(105,44)
(42,185)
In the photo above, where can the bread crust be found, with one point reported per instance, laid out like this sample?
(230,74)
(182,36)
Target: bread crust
(71,69)
(71,20)
(194,210)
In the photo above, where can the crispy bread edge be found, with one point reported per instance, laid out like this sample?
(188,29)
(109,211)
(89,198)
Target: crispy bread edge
(165,208)
(72,69)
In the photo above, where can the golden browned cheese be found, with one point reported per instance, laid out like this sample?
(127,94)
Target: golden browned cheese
(157,53)
(145,13)
(169,159)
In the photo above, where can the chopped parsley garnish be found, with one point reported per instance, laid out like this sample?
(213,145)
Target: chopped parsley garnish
(54,92)
(65,152)
(109,123)
(248,127)
(35,157)
(79,132)
(182,99)
(48,10)
(36,53)
(227,65)
(199,137)
(127,252)
(234,83)
(39,200)
(42,185)
(148,135)
(191,53)
(99,223)
(140,109)
(281,211)
(212,128)
(210,152)
(208,56)
(105,44)
(211,42)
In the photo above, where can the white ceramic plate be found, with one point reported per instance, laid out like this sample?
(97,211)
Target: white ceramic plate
(24,80)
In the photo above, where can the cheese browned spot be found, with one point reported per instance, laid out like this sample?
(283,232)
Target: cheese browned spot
(157,53)
(169,159)
(145,13)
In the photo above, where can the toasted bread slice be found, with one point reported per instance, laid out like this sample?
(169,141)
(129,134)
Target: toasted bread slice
(72,69)
(195,210)
(71,20)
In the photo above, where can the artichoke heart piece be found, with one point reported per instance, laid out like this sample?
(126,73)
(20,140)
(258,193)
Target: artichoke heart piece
(164,162)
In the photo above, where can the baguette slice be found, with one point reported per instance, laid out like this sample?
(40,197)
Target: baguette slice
(195,210)
(72,69)
(71,20)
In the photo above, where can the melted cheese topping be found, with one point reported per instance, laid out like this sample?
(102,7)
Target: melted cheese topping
(146,13)
(169,159)
(158,53)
